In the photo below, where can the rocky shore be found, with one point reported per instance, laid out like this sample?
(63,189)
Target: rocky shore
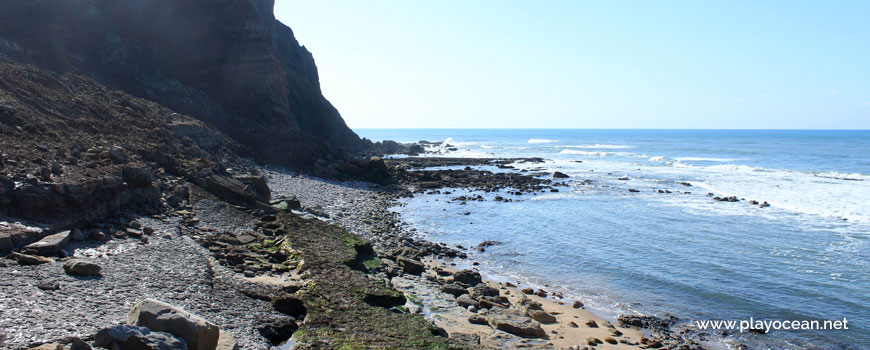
(323,265)
(468,308)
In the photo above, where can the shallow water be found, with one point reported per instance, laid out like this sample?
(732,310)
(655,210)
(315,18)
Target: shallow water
(804,257)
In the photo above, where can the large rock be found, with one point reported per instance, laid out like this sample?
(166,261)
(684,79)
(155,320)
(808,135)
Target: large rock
(81,267)
(258,185)
(516,324)
(454,289)
(49,245)
(228,188)
(26,259)
(411,266)
(465,301)
(467,277)
(127,337)
(13,234)
(541,316)
(162,317)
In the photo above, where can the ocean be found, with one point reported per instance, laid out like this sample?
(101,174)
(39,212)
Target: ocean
(670,248)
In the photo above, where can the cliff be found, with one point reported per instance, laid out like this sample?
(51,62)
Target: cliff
(229,63)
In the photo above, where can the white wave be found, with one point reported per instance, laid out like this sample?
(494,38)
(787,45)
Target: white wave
(454,143)
(705,159)
(597,146)
(582,153)
(542,141)
(595,153)
(657,158)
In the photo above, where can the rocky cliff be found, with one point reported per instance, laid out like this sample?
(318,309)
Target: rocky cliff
(229,63)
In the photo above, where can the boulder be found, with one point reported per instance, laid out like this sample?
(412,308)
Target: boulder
(198,333)
(258,185)
(27,259)
(541,316)
(467,277)
(48,285)
(77,343)
(13,234)
(49,245)
(454,289)
(483,290)
(81,267)
(49,346)
(129,337)
(466,301)
(228,188)
(411,266)
(560,175)
(516,324)
(477,319)
(497,301)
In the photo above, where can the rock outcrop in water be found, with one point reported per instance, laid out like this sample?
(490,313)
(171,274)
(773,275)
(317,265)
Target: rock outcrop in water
(228,63)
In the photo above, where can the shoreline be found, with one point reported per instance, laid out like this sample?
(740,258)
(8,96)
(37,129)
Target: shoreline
(441,308)
(224,267)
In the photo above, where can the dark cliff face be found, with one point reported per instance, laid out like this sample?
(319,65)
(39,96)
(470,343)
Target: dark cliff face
(227,62)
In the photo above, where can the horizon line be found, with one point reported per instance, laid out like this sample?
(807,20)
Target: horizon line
(704,129)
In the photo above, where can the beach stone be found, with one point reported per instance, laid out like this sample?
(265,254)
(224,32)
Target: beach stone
(577,304)
(413,267)
(516,324)
(483,290)
(48,245)
(591,324)
(490,302)
(541,293)
(477,319)
(466,301)
(468,277)
(560,175)
(14,235)
(542,316)
(49,346)
(198,333)
(48,285)
(454,289)
(130,337)
(27,259)
(77,343)
(528,291)
(80,267)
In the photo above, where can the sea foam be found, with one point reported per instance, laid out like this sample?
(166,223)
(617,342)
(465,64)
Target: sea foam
(542,141)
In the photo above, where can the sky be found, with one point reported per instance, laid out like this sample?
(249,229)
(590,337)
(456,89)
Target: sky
(590,64)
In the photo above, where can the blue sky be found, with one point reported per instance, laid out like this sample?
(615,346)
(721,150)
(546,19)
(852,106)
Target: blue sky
(590,64)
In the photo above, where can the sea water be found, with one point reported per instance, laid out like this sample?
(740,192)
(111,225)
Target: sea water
(805,257)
